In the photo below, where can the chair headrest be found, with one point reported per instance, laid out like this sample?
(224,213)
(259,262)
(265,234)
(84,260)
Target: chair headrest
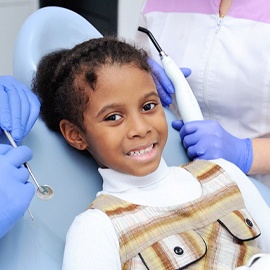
(46,30)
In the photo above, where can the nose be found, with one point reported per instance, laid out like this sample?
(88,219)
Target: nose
(138,126)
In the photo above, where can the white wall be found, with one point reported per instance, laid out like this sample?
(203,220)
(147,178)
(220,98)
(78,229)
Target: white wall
(128,12)
(12,14)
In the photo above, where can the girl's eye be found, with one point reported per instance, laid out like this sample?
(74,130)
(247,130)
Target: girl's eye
(113,117)
(149,106)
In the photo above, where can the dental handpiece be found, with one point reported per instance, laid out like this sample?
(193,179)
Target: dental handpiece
(187,104)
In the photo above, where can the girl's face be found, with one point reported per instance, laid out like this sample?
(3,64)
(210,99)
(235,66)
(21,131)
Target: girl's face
(126,128)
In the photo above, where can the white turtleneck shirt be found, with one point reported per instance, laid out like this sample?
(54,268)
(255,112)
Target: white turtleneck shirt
(92,242)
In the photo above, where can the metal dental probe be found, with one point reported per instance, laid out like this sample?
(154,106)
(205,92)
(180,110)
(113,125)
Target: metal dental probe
(187,104)
(44,192)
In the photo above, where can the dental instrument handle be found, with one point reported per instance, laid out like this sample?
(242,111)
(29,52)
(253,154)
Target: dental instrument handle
(187,104)
(13,143)
(33,177)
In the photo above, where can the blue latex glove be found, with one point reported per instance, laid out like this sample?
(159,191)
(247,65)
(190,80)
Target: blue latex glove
(209,140)
(163,84)
(19,107)
(15,192)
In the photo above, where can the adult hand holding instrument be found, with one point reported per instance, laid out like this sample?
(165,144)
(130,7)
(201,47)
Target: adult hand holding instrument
(19,107)
(202,139)
(44,192)
(16,192)
(186,101)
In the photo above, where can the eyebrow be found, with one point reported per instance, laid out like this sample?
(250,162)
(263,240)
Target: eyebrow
(113,105)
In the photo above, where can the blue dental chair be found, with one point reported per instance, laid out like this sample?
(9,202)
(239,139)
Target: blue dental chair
(74,178)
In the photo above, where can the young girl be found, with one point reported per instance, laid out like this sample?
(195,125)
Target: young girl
(101,96)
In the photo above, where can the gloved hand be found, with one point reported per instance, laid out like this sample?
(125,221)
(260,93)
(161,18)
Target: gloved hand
(15,192)
(19,107)
(207,139)
(163,84)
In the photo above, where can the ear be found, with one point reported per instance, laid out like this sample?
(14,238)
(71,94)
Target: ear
(73,135)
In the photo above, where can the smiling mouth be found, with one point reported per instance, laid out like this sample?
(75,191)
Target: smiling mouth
(141,152)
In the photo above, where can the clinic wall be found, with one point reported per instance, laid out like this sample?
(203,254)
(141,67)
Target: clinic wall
(14,12)
(128,13)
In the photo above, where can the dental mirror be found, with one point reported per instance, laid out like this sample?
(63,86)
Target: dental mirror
(44,192)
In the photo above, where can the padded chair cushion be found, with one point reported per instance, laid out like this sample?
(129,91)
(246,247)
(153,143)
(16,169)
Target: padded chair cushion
(48,29)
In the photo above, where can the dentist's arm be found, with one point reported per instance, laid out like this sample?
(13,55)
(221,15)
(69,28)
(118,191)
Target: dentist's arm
(209,140)
(251,156)
(19,107)
(261,156)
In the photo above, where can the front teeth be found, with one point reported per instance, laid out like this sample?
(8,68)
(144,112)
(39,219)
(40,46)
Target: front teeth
(141,152)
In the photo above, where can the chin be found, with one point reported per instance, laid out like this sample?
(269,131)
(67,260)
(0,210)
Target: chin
(145,169)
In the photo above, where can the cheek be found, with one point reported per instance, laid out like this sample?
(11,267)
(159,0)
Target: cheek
(162,126)
(102,145)
(165,132)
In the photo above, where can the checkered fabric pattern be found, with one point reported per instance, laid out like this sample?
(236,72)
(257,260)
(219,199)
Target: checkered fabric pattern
(214,231)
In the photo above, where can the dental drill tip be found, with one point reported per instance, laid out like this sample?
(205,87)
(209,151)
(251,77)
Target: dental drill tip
(150,35)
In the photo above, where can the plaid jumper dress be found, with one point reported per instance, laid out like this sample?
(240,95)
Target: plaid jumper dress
(214,231)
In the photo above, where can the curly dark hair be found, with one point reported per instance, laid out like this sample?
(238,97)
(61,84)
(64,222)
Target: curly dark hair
(64,77)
